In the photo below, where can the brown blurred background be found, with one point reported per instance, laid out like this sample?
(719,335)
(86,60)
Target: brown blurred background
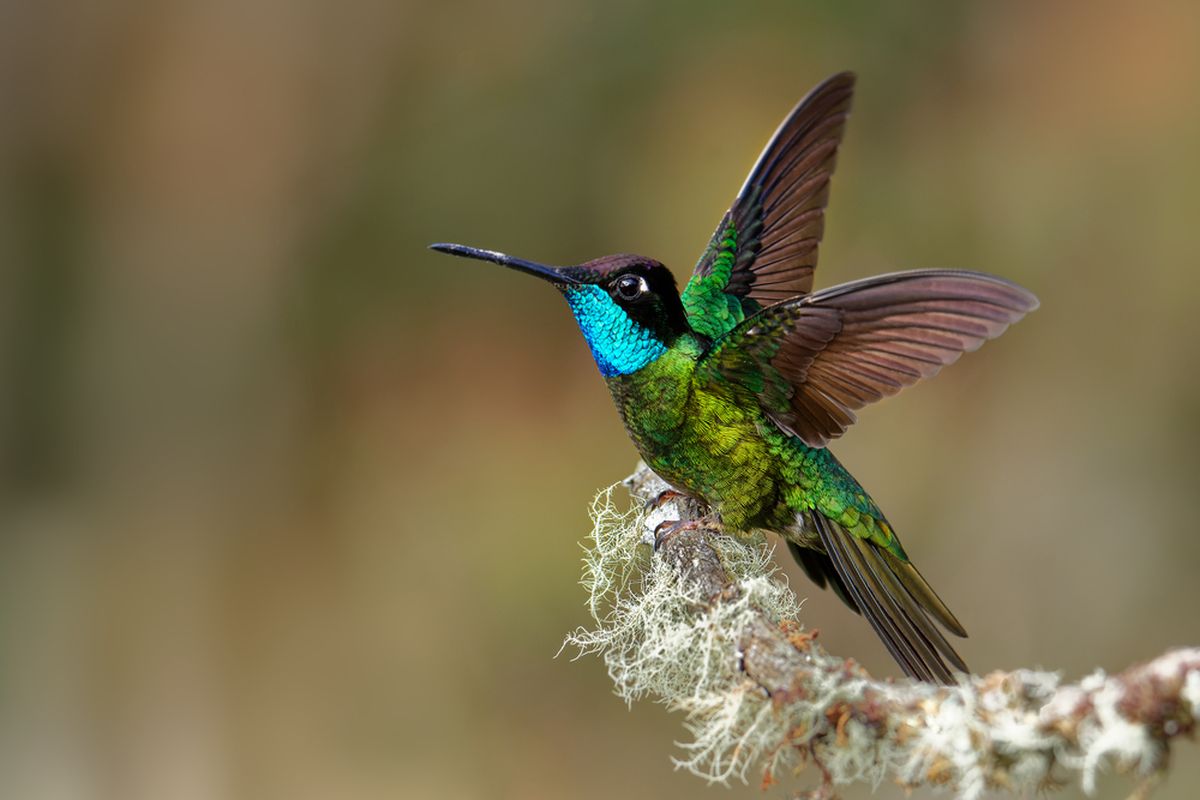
(290,506)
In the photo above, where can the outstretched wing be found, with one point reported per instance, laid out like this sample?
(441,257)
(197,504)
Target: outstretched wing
(815,360)
(765,249)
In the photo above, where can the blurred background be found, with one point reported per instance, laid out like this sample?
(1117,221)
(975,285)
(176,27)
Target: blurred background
(290,507)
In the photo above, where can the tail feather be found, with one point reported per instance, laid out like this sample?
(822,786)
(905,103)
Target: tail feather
(819,569)
(897,644)
(913,616)
(924,594)
(894,598)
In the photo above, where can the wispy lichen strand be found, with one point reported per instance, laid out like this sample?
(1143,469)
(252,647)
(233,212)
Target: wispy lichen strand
(661,637)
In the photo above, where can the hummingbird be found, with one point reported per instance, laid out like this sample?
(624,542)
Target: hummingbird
(732,389)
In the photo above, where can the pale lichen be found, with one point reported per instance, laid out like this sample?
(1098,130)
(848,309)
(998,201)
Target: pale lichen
(660,637)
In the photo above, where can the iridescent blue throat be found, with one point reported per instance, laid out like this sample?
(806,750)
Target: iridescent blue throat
(619,345)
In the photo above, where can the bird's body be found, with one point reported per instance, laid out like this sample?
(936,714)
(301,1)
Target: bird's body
(732,389)
(713,442)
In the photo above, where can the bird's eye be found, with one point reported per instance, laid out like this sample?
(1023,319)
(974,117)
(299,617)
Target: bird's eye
(631,287)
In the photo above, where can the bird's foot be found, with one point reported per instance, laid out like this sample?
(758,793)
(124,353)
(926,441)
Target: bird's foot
(662,498)
(665,530)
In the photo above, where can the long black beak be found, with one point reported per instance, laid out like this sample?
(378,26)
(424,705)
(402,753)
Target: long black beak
(557,275)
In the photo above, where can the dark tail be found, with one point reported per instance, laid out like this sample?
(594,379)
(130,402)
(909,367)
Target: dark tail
(891,594)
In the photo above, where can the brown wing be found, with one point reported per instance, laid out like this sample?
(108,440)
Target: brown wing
(816,360)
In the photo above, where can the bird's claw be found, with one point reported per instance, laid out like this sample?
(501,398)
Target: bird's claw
(669,528)
(662,498)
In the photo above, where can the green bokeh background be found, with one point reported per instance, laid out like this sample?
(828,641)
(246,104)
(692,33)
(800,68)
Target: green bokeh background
(290,506)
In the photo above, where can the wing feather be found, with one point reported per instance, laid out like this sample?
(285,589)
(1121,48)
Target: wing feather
(844,348)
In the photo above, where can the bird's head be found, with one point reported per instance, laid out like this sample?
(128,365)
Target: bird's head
(627,306)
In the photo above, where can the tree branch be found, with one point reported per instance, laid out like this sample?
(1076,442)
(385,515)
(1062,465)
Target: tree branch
(706,626)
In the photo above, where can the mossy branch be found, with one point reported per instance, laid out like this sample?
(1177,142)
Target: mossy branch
(706,626)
